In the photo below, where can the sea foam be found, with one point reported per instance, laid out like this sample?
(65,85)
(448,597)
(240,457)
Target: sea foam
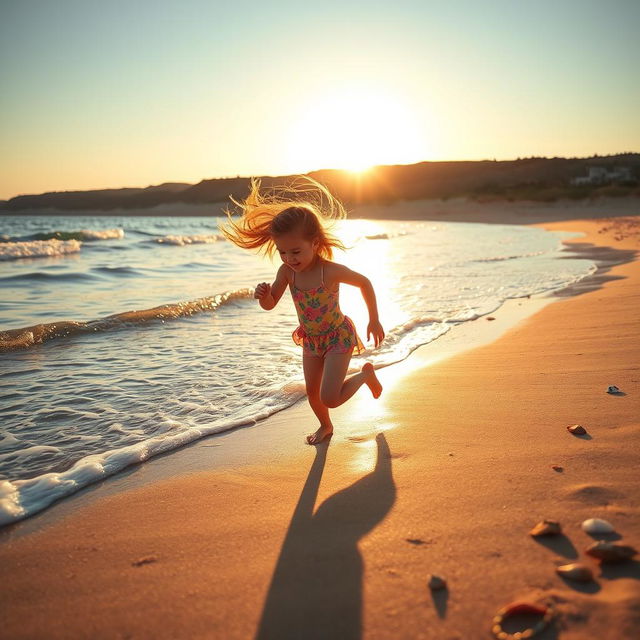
(22,498)
(193,239)
(38,249)
(107,234)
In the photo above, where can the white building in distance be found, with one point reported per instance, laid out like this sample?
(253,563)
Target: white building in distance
(602,175)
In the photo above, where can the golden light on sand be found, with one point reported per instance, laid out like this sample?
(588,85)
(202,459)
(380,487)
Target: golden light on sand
(355,128)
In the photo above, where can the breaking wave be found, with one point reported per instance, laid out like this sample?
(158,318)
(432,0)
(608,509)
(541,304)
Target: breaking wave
(181,241)
(84,235)
(386,236)
(26,337)
(38,249)
(52,243)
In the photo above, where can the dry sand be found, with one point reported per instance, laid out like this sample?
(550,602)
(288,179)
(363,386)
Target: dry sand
(446,473)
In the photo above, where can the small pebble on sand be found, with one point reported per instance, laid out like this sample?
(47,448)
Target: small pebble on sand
(577,430)
(143,561)
(546,528)
(436,582)
(575,571)
(610,552)
(596,526)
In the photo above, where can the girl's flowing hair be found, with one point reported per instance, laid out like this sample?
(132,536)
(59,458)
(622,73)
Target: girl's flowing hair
(281,210)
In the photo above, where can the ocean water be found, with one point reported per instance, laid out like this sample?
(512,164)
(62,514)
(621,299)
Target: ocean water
(122,338)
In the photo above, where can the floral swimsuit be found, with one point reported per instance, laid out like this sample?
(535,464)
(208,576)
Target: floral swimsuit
(323,327)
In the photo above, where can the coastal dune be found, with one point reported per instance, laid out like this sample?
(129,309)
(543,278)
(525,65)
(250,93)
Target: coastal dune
(445,474)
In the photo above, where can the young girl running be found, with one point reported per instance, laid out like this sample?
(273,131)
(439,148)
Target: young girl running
(296,229)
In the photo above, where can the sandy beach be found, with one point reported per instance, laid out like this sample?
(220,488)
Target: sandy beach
(446,473)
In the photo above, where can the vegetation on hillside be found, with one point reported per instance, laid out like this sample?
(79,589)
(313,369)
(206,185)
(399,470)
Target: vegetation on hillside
(535,178)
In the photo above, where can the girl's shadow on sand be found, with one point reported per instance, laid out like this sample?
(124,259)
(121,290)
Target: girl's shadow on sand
(316,589)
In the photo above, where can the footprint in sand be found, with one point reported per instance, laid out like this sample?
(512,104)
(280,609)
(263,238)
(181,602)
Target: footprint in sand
(593,494)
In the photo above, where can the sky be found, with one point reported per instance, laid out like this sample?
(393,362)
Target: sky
(130,93)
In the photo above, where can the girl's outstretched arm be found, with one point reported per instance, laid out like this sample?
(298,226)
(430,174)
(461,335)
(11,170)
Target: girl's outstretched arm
(269,294)
(348,276)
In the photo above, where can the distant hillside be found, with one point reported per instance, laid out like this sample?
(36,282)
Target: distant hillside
(527,178)
(174,187)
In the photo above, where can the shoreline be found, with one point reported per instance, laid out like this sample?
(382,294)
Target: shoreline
(494,418)
(230,450)
(238,443)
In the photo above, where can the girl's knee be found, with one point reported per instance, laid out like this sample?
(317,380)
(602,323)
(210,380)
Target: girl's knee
(330,398)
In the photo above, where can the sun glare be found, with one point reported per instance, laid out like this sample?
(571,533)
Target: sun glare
(358,167)
(355,129)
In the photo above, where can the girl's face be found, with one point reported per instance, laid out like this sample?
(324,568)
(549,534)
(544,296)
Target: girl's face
(296,251)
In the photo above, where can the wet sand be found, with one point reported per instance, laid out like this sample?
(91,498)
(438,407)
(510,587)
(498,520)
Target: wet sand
(446,473)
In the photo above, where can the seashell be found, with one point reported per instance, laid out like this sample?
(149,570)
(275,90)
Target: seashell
(546,528)
(436,582)
(610,551)
(575,571)
(613,389)
(515,608)
(596,526)
(577,430)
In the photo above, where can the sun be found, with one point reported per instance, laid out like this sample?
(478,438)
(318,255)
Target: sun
(358,168)
(355,129)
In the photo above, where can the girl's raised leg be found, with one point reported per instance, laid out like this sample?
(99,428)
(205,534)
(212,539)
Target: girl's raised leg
(335,390)
(313,367)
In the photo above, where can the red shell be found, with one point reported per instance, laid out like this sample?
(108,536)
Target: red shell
(524,607)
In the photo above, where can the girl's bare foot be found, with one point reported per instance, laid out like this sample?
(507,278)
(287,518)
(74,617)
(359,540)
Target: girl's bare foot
(319,435)
(372,379)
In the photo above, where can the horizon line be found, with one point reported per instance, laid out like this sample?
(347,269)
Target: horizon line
(345,170)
